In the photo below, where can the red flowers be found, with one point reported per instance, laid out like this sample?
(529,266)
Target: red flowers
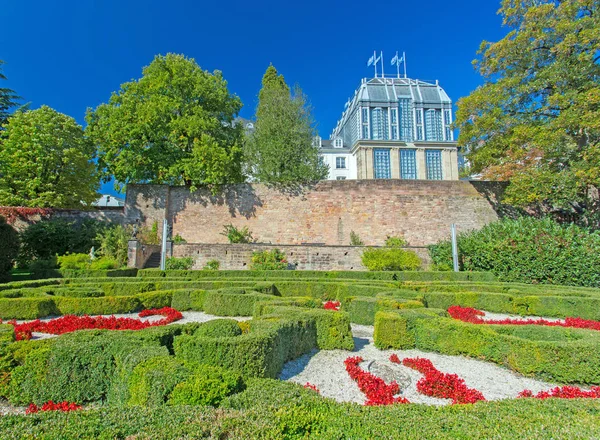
(71,323)
(310,386)
(51,406)
(468,314)
(565,392)
(374,388)
(438,384)
(332,305)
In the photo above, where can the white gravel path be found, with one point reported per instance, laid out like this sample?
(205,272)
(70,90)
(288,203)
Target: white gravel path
(325,370)
(493,316)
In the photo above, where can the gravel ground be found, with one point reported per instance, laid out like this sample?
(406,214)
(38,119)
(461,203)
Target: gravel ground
(325,370)
(489,316)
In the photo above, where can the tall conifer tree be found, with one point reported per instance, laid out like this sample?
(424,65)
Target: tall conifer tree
(281,149)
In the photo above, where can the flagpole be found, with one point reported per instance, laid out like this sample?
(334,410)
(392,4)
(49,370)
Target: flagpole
(397,65)
(404,61)
(382,73)
(375,62)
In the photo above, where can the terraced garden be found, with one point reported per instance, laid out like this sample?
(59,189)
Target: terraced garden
(413,350)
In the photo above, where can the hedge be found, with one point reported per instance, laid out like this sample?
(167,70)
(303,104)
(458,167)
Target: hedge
(79,273)
(26,308)
(106,305)
(558,354)
(260,353)
(188,299)
(362,309)
(273,410)
(221,303)
(323,275)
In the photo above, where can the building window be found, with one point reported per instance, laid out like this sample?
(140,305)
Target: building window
(447,118)
(433,125)
(340,178)
(406,120)
(433,162)
(365,123)
(381,163)
(379,124)
(419,133)
(394,115)
(448,134)
(408,164)
(394,132)
(338,143)
(340,163)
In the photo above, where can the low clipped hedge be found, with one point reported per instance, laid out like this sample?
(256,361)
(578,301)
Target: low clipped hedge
(26,308)
(320,275)
(188,299)
(559,354)
(259,353)
(222,303)
(105,305)
(362,309)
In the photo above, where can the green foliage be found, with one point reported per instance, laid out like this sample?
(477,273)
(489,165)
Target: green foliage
(153,380)
(74,261)
(149,235)
(46,161)
(219,328)
(105,263)
(528,250)
(362,309)
(172,126)
(236,235)
(390,258)
(184,263)
(395,242)
(355,239)
(281,149)
(8,100)
(9,247)
(47,238)
(535,120)
(221,303)
(188,300)
(178,239)
(105,305)
(212,265)
(268,260)
(206,386)
(26,308)
(114,244)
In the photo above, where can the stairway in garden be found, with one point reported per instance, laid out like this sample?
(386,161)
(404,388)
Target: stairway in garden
(153,262)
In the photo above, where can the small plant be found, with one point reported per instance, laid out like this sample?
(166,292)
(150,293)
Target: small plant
(355,239)
(149,235)
(395,242)
(178,239)
(74,261)
(269,260)
(235,235)
(114,244)
(185,263)
(212,265)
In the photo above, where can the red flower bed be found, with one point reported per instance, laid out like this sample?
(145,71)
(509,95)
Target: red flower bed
(565,392)
(438,384)
(468,314)
(51,406)
(310,386)
(374,388)
(332,305)
(71,323)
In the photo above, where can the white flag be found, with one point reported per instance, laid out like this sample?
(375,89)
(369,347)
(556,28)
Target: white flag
(395,60)
(401,60)
(378,59)
(371,60)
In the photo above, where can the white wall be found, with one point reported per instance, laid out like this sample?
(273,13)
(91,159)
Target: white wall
(349,172)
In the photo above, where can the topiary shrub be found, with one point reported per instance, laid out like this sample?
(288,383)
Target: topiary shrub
(74,261)
(390,258)
(219,328)
(528,250)
(153,380)
(9,249)
(268,260)
(184,263)
(207,385)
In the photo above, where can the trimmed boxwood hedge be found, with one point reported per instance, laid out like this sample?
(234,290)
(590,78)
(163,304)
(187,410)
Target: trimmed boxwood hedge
(26,308)
(559,354)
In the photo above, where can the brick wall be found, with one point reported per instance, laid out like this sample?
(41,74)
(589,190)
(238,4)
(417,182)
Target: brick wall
(420,211)
(238,256)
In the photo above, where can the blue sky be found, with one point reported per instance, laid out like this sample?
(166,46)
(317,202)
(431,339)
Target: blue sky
(71,55)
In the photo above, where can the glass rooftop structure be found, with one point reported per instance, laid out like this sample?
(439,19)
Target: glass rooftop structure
(396,109)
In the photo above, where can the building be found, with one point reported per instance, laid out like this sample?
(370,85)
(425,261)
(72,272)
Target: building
(339,159)
(394,128)
(108,201)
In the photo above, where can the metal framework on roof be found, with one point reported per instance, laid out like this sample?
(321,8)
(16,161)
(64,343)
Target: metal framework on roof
(401,105)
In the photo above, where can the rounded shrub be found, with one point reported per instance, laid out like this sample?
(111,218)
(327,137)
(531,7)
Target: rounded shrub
(528,250)
(153,380)
(390,258)
(207,385)
(219,328)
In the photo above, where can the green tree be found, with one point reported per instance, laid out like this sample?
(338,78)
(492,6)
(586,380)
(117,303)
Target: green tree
(536,120)
(281,149)
(172,126)
(8,99)
(46,161)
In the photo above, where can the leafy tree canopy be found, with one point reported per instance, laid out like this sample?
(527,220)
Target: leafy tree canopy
(172,126)
(45,161)
(536,120)
(8,99)
(281,149)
